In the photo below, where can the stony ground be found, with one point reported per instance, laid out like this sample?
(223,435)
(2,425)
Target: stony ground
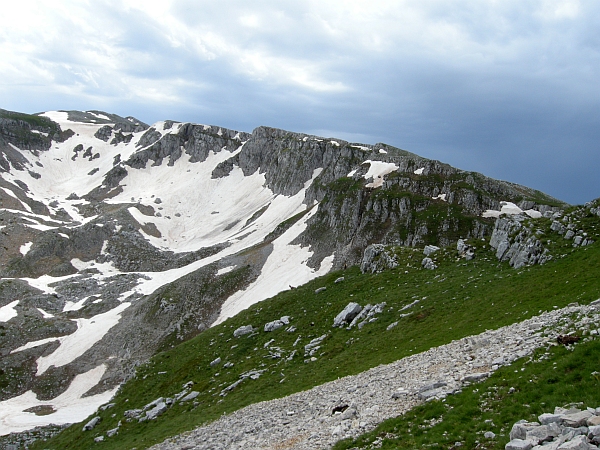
(349,406)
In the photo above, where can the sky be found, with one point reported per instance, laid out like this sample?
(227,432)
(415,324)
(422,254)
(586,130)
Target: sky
(508,88)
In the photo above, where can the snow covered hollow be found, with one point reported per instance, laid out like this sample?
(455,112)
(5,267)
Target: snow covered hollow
(509,208)
(69,407)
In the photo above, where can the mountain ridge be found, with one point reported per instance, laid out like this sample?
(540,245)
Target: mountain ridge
(162,228)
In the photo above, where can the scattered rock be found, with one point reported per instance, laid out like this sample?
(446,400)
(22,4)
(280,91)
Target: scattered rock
(429,249)
(347,315)
(92,423)
(428,263)
(272,326)
(215,362)
(313,346)
(243,330)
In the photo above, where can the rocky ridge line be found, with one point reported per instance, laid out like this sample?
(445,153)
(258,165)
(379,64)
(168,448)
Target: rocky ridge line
(352,405)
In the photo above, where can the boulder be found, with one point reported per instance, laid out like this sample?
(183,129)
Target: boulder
(376,258)
(243,330)
(215,362)
(577,443)
(428,263)
(520,429)
(272,326)
(92,423)
(159,409)
(593,421)
(518,444)
(347,315)
(191,396)
(576,420)
(543,433)
(429,249)
(546,418)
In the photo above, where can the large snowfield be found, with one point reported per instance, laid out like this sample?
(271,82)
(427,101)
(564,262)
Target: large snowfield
(192,210)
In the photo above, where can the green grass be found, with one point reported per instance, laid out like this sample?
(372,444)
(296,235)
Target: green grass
(457,299)
(523,390)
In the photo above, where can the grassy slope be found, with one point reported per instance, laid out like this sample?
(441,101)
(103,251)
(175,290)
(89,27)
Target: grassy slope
(458,299)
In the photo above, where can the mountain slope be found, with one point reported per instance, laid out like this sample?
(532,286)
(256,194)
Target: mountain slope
(423,309)
(120,239)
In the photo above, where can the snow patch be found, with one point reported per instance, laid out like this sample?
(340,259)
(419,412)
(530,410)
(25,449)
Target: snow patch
(7,312)
(377,170)
(89,331)
(382,151)
(440,197)
(510,208)
(419,171)
(336,143)
(351,174)
(45,314)
(286,266)
(225,270)
(74,306)
(24,249)
(106,269)
(70,406)
(43,283)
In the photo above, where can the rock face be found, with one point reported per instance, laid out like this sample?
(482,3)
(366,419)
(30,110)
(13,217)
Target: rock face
(516,243)
(376,258)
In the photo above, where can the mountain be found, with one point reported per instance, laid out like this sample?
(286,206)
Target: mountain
(120,240)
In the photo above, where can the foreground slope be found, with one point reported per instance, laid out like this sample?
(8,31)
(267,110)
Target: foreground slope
(122,239)
(423,309)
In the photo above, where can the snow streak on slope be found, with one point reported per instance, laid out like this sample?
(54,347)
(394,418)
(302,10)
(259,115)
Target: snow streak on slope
(89,331)
(7,312)
(68,407)
(285,267)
